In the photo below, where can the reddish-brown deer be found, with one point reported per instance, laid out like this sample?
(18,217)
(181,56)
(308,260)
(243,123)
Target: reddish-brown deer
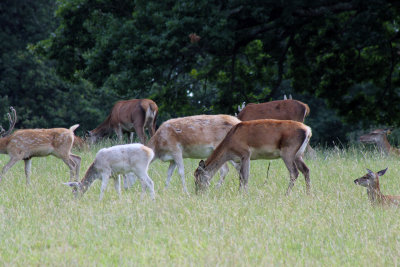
(371,181)
(28,143)
(259,139)
(130,116)
(379,137)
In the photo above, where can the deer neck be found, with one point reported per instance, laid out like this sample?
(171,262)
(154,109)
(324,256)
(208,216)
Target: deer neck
(215,161)
(385,146)
(375,195)
(3,144)
(88,179)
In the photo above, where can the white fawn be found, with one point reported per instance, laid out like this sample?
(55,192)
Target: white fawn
(130,159)
(371,181)
(28,143)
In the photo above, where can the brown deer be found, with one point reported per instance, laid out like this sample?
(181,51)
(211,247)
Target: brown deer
(371,181)
(279,110)
(379,137)
(79,143)
(130,116)
(28,143)
(259,139)
(286,109)
(190,137)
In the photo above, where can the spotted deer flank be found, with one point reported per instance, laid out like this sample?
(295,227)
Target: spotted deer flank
(28,143)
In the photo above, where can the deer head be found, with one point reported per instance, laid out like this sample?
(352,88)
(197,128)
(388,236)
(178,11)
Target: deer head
(12,117)
(370,179)
(202,178)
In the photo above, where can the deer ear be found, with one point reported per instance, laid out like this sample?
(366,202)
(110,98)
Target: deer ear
(202,164)
(370,172)
(72,184)
(382,172)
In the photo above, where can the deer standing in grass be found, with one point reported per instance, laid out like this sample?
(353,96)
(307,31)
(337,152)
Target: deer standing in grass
(28,143)
(130,159)
(259,139)
(371,181)
(379,137)
(134,115)
(190,137)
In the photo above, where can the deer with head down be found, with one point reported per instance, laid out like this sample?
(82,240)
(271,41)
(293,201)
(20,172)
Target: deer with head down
(28,143)
(371,181)
(131,160)
(379,137)
(259,139)
(130,116)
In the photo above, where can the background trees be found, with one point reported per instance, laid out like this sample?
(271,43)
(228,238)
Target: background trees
(340,57)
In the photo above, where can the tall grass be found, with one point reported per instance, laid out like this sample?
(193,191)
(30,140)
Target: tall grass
(42,224)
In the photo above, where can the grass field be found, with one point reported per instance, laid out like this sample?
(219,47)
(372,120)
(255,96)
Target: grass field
(43,225)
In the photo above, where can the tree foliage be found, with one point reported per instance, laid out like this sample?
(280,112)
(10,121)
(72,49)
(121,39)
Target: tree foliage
(341,57)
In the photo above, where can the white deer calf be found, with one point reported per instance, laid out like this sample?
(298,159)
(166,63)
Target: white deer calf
(110,162)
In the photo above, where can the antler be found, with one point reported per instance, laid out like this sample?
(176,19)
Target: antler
(12,117)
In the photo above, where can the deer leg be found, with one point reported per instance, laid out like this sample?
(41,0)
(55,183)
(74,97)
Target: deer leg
(306,173)
(139,129)
(146,182)
(77,164)
(171,169)
(181,171)
(118,132)
(244,173)
(131,136)
(129,180)
(117,185)
(28,165)
(223,171)
(71,165)
(8,166)
(104,182)
(294,173)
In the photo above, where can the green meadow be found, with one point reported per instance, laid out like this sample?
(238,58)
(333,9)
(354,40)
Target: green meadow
(44,225)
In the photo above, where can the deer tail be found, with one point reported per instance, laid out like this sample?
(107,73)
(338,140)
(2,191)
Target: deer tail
(73,127)
(303,146)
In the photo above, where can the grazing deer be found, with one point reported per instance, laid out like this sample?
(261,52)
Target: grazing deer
(79,143)
(28,143)
(190,137)
(371,181)
(133,115)
(110,162)
(379,137)
(286,109)
(259,139)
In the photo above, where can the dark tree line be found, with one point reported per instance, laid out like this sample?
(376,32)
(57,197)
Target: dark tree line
(69,61)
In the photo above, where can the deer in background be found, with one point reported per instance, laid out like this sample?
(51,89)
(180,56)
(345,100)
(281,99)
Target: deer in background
(379,137)
(259,139)
(130,116)
(190,137)
(130,159)
(371,181)
(28,143)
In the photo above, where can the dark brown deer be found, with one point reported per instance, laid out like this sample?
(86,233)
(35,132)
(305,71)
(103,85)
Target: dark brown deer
(130,116)
(379,137)
(259,139)
(28,143)
(371,181)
